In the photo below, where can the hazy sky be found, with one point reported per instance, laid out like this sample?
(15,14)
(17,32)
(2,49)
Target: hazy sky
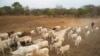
(50,3)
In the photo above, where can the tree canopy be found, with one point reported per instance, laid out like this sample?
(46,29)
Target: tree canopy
(18,9)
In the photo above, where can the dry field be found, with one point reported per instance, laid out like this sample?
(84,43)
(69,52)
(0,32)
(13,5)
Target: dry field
(21,23)
(88,47)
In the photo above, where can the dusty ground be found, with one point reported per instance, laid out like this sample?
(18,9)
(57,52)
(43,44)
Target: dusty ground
(20,23)
(88,47)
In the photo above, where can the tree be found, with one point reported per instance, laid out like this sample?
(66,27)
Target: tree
(59,10)
(72,12)
(36,12)
(2,11)
(98,10)
(49,12)
(26,10)
(82,12)
(17,8)
(91,9)
(7,9)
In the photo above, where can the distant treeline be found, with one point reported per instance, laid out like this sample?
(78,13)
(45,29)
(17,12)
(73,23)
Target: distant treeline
(18,9)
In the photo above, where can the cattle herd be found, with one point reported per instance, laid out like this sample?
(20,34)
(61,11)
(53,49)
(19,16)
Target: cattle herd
(43,42)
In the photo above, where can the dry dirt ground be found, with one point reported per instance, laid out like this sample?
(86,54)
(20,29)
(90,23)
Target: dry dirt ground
(20,23)
(88,47)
